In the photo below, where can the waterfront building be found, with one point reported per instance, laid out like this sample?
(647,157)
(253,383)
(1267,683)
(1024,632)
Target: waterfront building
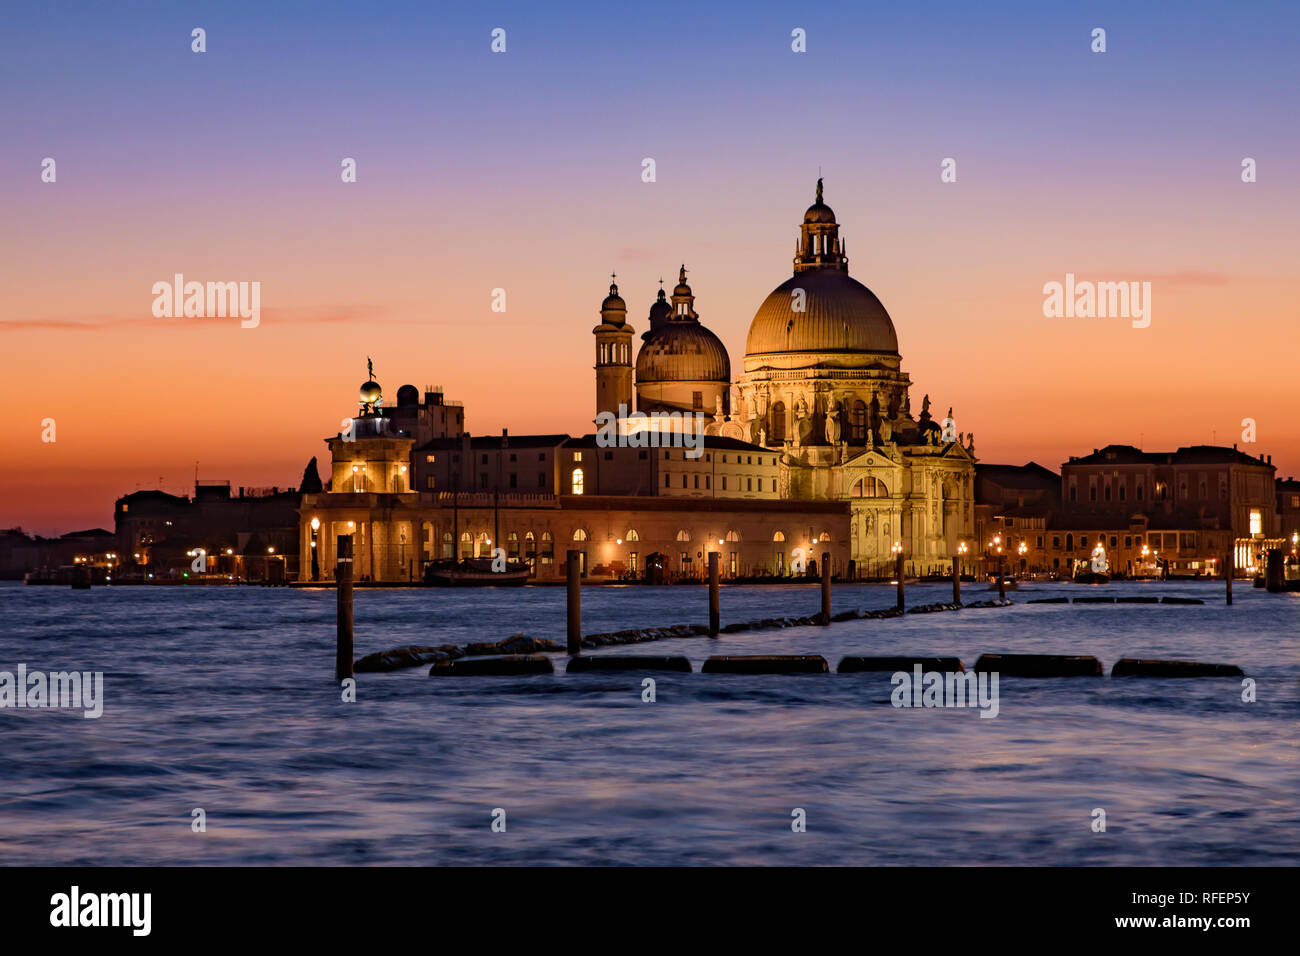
(1197,503)
(245,533)
(1185,510)
(536,497)
(1013,506)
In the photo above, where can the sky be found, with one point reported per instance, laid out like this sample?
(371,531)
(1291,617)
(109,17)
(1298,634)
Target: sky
(522,171)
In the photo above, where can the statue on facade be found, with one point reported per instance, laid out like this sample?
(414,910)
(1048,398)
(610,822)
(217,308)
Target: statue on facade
(833,425)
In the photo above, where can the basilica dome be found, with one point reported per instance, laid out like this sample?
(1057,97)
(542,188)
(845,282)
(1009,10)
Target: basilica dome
(841,315)
(821,308)
(677,348)
(682,352)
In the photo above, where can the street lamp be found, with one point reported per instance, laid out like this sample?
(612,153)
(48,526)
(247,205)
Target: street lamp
(315,554)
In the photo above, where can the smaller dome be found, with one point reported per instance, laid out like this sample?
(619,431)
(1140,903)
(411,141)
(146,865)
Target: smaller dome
(682,352)
(408,395)
(613,302)
(371,393)
(819,212)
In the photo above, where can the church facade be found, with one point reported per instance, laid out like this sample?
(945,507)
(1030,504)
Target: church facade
(823,386)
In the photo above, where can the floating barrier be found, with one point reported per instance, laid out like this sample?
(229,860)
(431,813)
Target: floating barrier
(1137,600)
(1060,600)
(583,664)
(1039,665)
(862,665)
(767,664)
(493,666)
(1137,667)
(1180,600)
(1094,600)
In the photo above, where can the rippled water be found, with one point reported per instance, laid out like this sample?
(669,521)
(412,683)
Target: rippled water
(223,698)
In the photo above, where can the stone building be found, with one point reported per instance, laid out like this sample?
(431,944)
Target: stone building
(538,496)
(245,533)
(1185,510)
(1200,502)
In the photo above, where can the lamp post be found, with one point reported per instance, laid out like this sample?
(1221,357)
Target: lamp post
(1002,585)
(315,553)
(897,549)
(956,572)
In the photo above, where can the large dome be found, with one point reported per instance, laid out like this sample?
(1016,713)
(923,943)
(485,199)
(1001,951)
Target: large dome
(841,315)
(682,352)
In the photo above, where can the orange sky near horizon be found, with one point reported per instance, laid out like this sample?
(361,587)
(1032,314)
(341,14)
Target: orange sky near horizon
(135,397)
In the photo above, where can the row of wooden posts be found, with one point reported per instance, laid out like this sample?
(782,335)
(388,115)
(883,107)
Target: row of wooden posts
(343,579)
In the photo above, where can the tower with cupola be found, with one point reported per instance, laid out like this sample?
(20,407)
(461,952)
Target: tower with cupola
(613,356)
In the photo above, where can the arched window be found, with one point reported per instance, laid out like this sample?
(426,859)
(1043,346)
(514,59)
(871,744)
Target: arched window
(778,536)
(580,535)
(632,535)
(825,536)
(778,422)
(447,550)
(577,481)
(870,487)
(858,423)
(466,545)
(548,548)
(530,545)
(683,535)
(733,536)
(512,547)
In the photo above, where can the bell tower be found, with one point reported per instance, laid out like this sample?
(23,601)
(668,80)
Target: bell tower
(613,355)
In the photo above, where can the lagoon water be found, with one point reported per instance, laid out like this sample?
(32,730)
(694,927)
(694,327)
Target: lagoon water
(224,699)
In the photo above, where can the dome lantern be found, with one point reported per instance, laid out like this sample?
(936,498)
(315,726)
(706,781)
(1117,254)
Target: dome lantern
(819,244)
(683,307)
(660,312)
